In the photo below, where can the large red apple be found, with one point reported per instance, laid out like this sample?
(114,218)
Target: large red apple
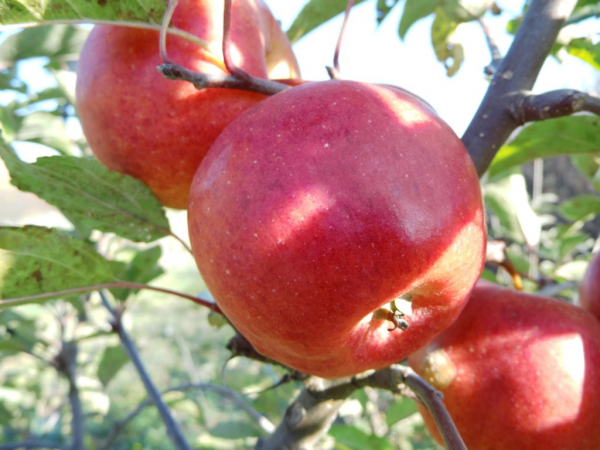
(589,289)
(517,371)
(158,130)
(325,202)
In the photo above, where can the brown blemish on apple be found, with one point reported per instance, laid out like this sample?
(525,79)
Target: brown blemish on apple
(438,369)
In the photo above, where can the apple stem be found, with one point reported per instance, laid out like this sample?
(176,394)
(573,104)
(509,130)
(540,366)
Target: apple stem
(433,401)
(164,28)
(334,72)
(227,58)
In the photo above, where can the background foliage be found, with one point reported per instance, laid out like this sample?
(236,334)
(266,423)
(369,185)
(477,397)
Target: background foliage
(119,231)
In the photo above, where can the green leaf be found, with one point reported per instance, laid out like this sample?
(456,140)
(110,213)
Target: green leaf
(572,271)
(585,50)
(6,415)
(584,10)
(562,136)
(26,11)
(415,10)
(142,269)
(399,410)
(36,260)
(450,53)
(581,207)
(55,41)
(355,439)
(9,80)
(506,196)
(112,360)
(383,8)
(95,197)
(315,13)
(587,163)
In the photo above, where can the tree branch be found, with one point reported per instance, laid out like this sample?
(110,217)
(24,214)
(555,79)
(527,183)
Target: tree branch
(313,411)
(526,107)
(493,121)
(173,430)
(203,81)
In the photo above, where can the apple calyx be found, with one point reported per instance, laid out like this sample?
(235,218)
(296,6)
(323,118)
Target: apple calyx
(395,316)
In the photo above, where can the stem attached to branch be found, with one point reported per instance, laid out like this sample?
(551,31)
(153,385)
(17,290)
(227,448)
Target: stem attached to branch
(493,121)
(204,81)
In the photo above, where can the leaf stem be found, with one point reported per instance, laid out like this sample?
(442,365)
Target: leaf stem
(334,72)
(11,302)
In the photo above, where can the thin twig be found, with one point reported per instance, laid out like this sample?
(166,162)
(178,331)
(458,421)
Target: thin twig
(173,429)
(493,123)
(334,72)
(96,287)
(265,424)
(164,29)
(204,81)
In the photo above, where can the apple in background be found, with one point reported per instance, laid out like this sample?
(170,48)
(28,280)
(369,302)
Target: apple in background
(589,289)
(326,202)
(517,371)
(158,130)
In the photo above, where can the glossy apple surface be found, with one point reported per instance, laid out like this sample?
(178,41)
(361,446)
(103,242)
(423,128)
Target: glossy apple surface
(326,202)
(589,289)
(517,372)
(158,130)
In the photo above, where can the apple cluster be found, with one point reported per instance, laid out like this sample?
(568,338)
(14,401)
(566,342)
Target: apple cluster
(340,227)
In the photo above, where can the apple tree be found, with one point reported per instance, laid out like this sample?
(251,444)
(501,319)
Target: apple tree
(109,337)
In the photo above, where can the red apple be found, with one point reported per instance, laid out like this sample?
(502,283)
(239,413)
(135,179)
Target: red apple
(517,371)
(589,289)
(326,202)
(158,130)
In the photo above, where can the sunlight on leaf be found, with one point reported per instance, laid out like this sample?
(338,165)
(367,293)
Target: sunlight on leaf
(26,11)
(91,195)
(37,260)
(563,136)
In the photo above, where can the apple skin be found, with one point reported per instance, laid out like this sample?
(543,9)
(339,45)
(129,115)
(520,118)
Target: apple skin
(326,202)
(589,289)
(517,371)
(158,130)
